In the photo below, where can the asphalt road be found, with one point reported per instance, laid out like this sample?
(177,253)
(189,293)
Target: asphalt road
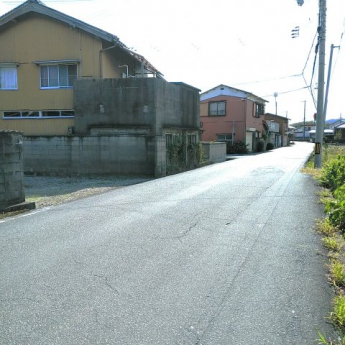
(221,255)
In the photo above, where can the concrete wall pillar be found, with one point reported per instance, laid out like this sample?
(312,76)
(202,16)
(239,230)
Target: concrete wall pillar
(11,169)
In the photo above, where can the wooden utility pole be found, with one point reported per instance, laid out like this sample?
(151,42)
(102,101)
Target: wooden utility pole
(321,85)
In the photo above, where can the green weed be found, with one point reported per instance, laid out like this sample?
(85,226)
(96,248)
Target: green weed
(335,208)
(334,243)
(337,271)
(338,313)
(322,340)
(324,227)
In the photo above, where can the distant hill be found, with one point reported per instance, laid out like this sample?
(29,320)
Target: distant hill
(300,124)
(332,120)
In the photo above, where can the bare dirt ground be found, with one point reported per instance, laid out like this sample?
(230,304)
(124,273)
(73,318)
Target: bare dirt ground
(49,191)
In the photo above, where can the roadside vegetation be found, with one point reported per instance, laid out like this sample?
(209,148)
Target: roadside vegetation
(332,228)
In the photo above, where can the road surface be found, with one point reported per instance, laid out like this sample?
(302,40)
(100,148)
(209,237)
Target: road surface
(220,255)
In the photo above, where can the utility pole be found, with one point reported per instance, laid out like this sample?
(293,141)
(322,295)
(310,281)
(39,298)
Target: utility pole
(275,97)
(321,81)
(328,81)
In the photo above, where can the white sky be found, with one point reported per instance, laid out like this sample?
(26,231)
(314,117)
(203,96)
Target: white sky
(240,43)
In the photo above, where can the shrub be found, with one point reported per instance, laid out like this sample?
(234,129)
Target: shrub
(338,314)
(237,147)
(260,146)
(333,173)
(335,208)
(269,146)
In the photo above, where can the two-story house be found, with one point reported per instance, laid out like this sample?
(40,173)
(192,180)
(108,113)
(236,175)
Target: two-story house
(278,133)
(229,114)
(43,51)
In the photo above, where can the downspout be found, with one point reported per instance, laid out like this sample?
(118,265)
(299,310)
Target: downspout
(101,59)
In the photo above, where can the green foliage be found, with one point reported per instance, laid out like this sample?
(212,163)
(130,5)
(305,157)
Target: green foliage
(338,313)
(324,227)
(335,208)
(333,173)
(332,243)
(336,269)
(237,147)
(323,341)
(269,146)
(181,157)
(260,145)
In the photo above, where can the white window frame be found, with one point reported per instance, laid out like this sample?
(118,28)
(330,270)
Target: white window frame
(37,114)
(59,66)
(13,67)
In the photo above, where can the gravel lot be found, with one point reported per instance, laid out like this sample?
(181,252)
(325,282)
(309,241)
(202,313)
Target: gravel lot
(48,191)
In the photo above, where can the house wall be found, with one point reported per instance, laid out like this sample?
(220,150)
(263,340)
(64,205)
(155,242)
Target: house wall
(239,117)
(38,38)
(283,127)
(107,154)
(11,169)
(38,126)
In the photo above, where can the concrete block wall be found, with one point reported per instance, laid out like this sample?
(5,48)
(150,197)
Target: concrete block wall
(111,154)
(215,151)
(11,169)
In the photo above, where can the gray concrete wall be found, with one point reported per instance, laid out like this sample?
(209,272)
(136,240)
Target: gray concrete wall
(215,152)
(11,169)
(149,102)
(107,154)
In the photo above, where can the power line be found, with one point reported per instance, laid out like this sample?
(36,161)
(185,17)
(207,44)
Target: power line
(289,91)
(266,80)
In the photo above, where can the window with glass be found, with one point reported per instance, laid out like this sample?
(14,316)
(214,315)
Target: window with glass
(37,114)
(217,108)
(259,109)
(8,77)
(58,76)
(225,137)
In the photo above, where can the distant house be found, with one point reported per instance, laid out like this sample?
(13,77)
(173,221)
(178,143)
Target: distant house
(278,129)
(43,52)
(339,133)
(303,132)
(229,114)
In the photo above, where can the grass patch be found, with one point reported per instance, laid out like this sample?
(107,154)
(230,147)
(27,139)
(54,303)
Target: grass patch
(324,227)
(12,214)
(337,271)
(323,341)
(338,313)
(332,234)
(334,243)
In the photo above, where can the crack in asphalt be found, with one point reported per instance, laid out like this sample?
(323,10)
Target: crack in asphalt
(106,282)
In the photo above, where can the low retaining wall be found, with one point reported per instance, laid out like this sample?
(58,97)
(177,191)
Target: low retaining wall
(11,169)
(214,151)
(113,154)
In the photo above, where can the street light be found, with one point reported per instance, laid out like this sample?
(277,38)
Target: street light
(275,98)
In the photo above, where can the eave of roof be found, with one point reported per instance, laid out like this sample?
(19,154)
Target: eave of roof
(233,88)
(278,116)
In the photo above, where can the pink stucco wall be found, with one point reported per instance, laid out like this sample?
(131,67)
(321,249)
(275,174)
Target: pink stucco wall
(239,117)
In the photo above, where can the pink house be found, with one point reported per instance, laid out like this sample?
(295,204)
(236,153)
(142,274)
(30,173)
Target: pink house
(229,114)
